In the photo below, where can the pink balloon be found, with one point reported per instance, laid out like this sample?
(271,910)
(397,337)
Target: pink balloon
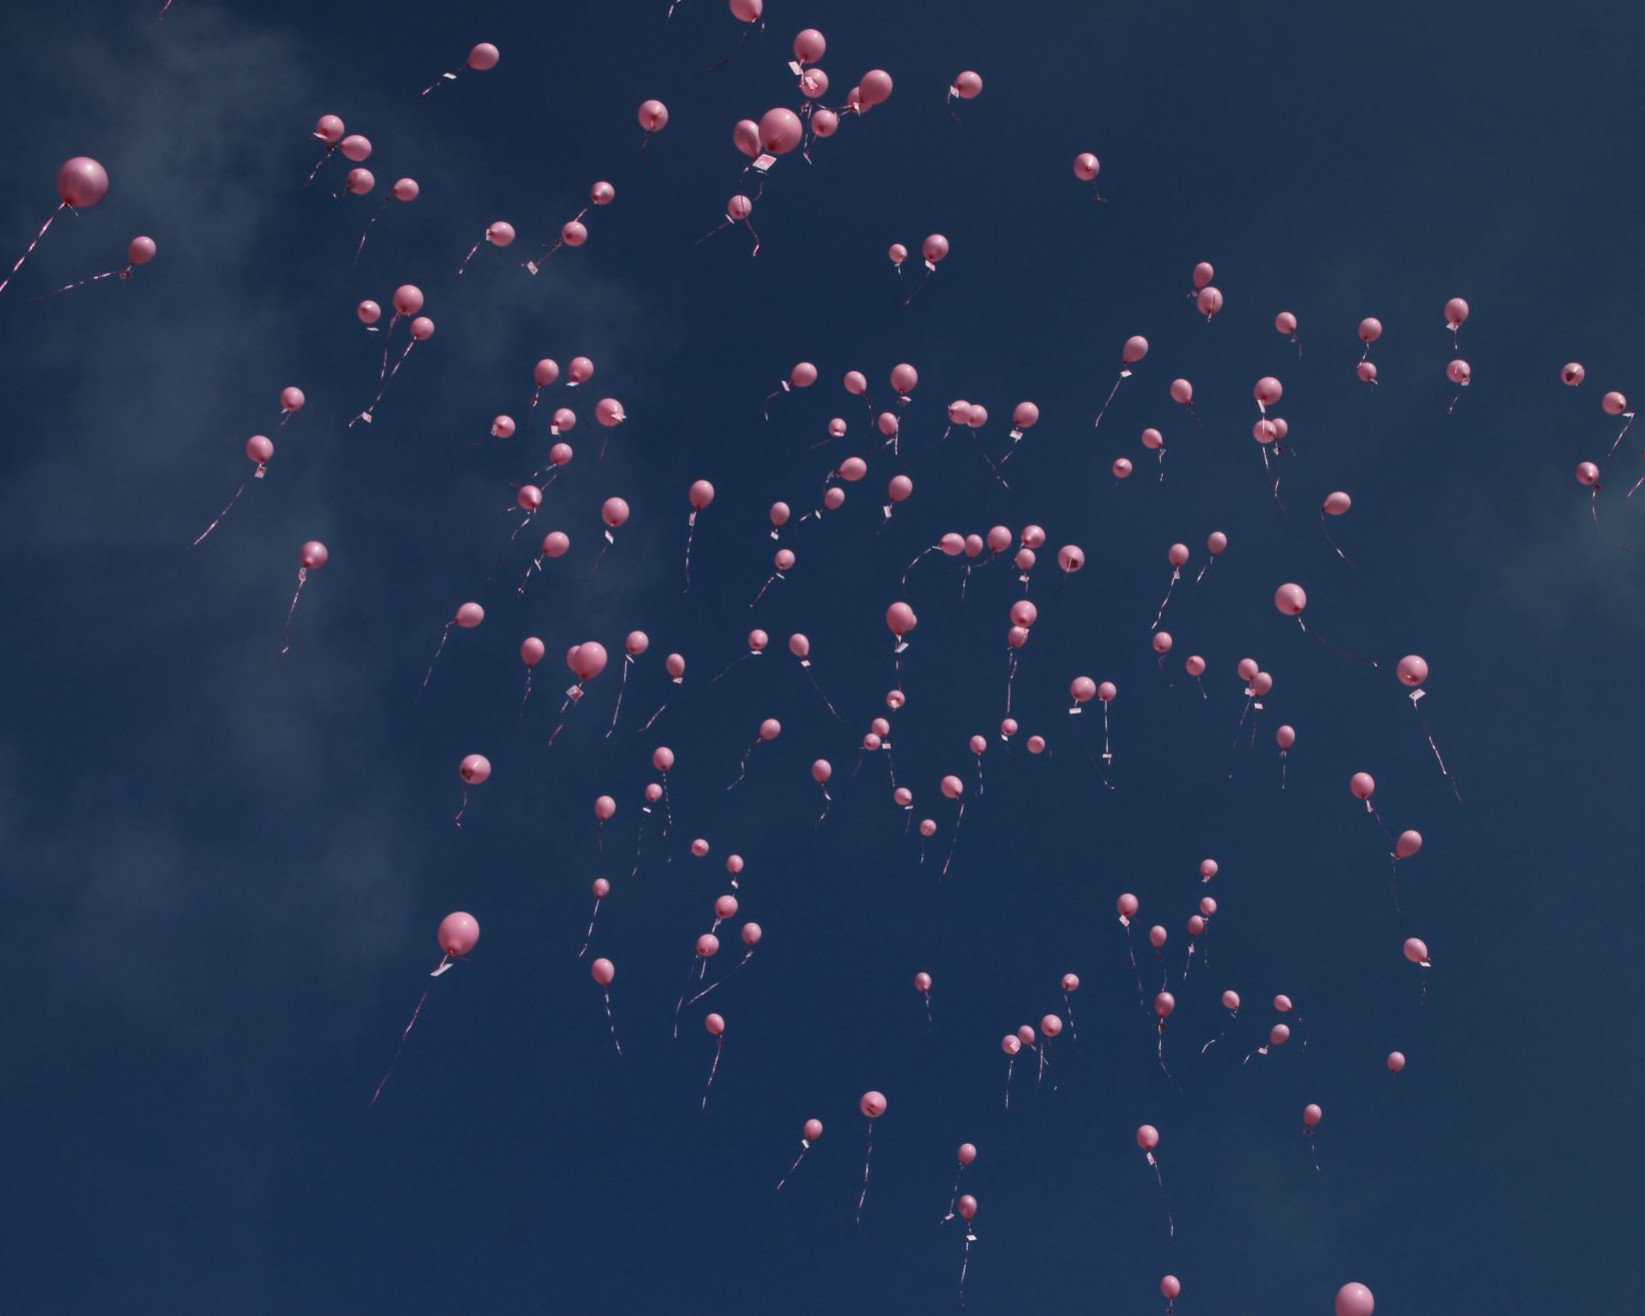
(459,933)
(725,907)
(1162,642)
(899,488)
(573,233)
(1164,1003)
(1230,1000)
(604,806)
(1086,167)
(813,84)
(922,982)
(824,122)
(1336,504)
(636,642)
(745,136)
(1408,844)
(780,130)
(1216,542)
(1208,869)
(821,770)
(1121,468)
(770,729)
(953,787)
(1157,936)
(803,375)
(662,758)
(140,251)
(1285,737)
(934,248)
(313,555)
(1195,666)
(653,116)
(602,971)
(1209,301)
(555,543)
(1204,272)
(1106,692)
(1136,347)
(1036,744)
(484,56)
(360,181)
(614,512)
(408,299)
(502,427)
(1572,373)
(872,1104)
(1412,670)
(739,207)
(329,129)
(1070,557)
(1362,785)
(531,651)
(1459,372)
(900,618)
(1279,1034)
(1170,1287)
(812,1131)
(1285,322)
(967,86)
(1370,329)
(708,944)
(1416,950)
(82,182)
(601,888)
(1050,1025)
(875,87)
(1355,1300)
(422,329)
(904,378)
(1127,905)
(470,615)
(1290,599)
(355,148)
(259,448)
(1025,416)
(1082,689)
(1182,391)
(1396,1061)
(747,11)
(1009,1043)
(1367,370)
(701,494)
(586,660)
(1587,474)
(1147,1137)
(369,312)
(1456,311)
(1268,390)
(1177,554)
(809,46)
(405,189)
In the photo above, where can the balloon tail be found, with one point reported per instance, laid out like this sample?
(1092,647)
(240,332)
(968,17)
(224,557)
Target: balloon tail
(742,768)
(1346,653)
(928,1013)
(81,283)
(1098,421)
(804,1147)
(1010,1064)
(970,1238)
(1170,1220)
(1333,543)
(645,154)
(953,1197)
(611,1023)
(1618,440)
(755,600)
(1131,950)
(1176,575)
(444,77)
(713,1069)
(1073,1029)
(866,1162)
(366,232)
(438,650)
(733,663)
(527,697)
(30,248)
(622,685)
(589,935)
(1443,770)
(827,702)
(226,510)
(828,803)
(571,697)
(661,708)
(302,575)
(1209,562)
(400,1050)
(1313,1151)
(954,843)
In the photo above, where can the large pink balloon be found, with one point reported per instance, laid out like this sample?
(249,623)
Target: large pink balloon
(1086,167)
(1147,1137)
(474,769)
(1291,599)
(602,971)
(1136,347)
(653,116)
(82,182)
(484,56)
(809,46)
(872,1104)
(780,130)
(459,933)
(1355,1300)
(586,660)
(1408,844)
(875,87)
(1412,670)
(900,618)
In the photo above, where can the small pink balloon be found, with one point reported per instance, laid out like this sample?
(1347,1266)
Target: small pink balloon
(470,615)
(602,971)
(707,944)
(824,122)
(953,787)
(604,807)
(602,193)
(259,448)
(653,116)
(1285,737)
(1170,1287)
(422,329)
(745,136)
(1408,843)
(900,618)
(1195,666)
(725,907)
(1285,322)
(812,1131)
(934,248)
(1268,390)
(1182,391)
(1370,329)
(1367,371)
(1216,542)
(329,129)
(1106,692)
(355,148)
(1416,950)
(967,1153)
(739,207)
(1456,311)
(586,660)
(1412,670)
(555,543)
(1204,272)
(360,181)
(1086,167)
(662,758)
(1362,785)
(1127,905)
(1147,1137)
(979,744)
(904,378)
(405,189)
(1121,468)
(369,312)
(803,375)
(1082,689)
(1396,1061)
(1572,373)
(1051,1025)
(459,933)
(82,182)
(1157,936)
(1290,599)
(1036,744)
(1587,474)
(1164,1003)
(1312,1115)
(821,770)
(573,233)
(922,982)
(313,555)
(532,650)
(747,11)
(899,489)
(1336,504)
(872,1104)
(1136,347)
(1282,1003)
(1026,1035)
(474,769)
(140,251)
(1459,372)
(614,512)
(601,888)
(967,86)
(770,729)
(1354,1300)
(484,56)
(1010,1045)
(1279,1034)
(1209,301)
(1230,1000)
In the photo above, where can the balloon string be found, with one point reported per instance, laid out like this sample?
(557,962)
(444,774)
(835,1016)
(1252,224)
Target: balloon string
(438,650)
(1313,1150)
(690,533)
(1170,1220)
(1443,770)
(828,802)
(1273,478)
(1098,421)
(1160,1053)
(81,283)
(302,575)
(1131,950)
(1209,562)
(383,1083)
(1010,1064)
(1617,441)
(829,703)
(30,248)
(747,955)
(1347,653)
(611,1022)
(1073,1029)
(965,1258)
(661,708)
(922,553)
(1332,542)
(1176,575)
(572,696)
(953,844)
(867,1160)
(589,935)
(928,1013)
(713,1069)
(645,154)
(755,236)
(366,233)
(464,266)
(953,1196)
(639,841)
(805,1147)
(775,575)
(444,77)
(733,663)
(317,164)
(226,510)
(622,685)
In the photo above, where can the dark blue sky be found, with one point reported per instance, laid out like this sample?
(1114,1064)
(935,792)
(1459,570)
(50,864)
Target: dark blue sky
(223,876)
